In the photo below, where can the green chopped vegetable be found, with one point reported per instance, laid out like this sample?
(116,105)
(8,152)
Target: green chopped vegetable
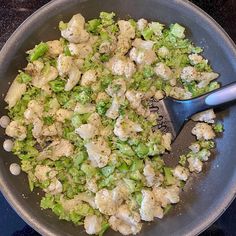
(38,51)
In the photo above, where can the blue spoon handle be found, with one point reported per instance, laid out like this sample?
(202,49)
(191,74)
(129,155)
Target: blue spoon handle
(222,95)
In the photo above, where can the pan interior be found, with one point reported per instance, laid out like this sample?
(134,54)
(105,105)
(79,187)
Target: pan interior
(206,195)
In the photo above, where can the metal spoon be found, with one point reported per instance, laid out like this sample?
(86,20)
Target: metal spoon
(174,113)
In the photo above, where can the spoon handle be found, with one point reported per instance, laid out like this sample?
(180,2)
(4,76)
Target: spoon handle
(210,100)
(222,95)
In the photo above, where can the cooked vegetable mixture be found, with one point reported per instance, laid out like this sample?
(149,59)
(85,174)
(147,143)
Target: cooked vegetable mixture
(82,128)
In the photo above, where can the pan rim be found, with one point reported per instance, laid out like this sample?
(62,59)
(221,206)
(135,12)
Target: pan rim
(21,211)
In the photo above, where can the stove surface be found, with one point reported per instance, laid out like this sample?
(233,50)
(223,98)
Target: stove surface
(14,12)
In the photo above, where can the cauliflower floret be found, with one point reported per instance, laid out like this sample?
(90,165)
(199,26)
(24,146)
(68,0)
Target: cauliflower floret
(55,48)
(41,81)
(163,71)
(34,68)
(81,50)
(158,95)
(166,141)
(16,130)
(43,173)
(180,93)
(74,78)
(135,100)
(87,131)
(189,74)
(125,128)
(102,96)
(14,93)
(53,106)
(205,116)
(88,78)
(121,66)
(149,209)
(126,28)
(117,88)
(205,78)
(165,196)
(37,128)
(195,147)
(195,165)
(55,187)
(195,58)
(141,24)
(91,185)
(64,64)
(51,130)
(125,221)
(84,108)
(142,56)
(98,152)
(203,131)
(33,111)
(93,224)
(57,149)
(75,32)
(181,173)
(143,44)
(105,203)
(113,111)
(95,119)
(149,173)
(163,52)
(107,46)
(63,114)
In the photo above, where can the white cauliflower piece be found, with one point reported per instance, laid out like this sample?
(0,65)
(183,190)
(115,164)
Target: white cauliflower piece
(205,116)
(166,141)
(98,152)
(63,114)
(64,64)
(55,48)
(50,130)
(149,209)
(91,185)
(33,111)
(87,131)
(74,78)
(117,88)
(14,93)
(126,28)
(55,187)
(57,149)
(105,203)
(37,128)
(142,56)
(149,174)
(125,221)
(121,66)
(16,130)
(93,224)
(81,50)
(181,173)
(75,32)
(203,131)
(113,111)
(205,78)
(124,128)
(163,71)
(84,108)
(88,78)
(143,44)
(189,74)
(195,147)
(42,172)
(195,58)
(180,93)
(34,68)
(141,24)
(102,96)
(135,100)
(195,165)
(158,95)
(95,119)
(163,52)
(165,196)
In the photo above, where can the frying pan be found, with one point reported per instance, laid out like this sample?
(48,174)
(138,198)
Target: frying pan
(207,195)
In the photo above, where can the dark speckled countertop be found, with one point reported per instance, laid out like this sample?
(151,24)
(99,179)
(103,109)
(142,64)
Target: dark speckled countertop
(14,12)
